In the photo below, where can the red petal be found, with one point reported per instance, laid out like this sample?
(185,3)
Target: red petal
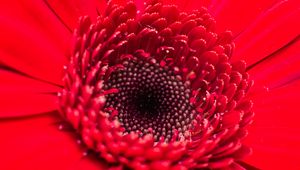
(23,96)
(12,82)
(70,10)
(275,133)
(89,163)
(37,16)
(25,104)
(236,15)
(37,143)
(278,69)
(29,51)
(270,32)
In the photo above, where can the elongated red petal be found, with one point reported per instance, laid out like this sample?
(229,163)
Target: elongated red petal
(27,50)
(37,16)
(16,82)
(37,143)
(278,69)
(275,133)
(23,96)
(270,32)
(89,162)
(236,15)
(26,104)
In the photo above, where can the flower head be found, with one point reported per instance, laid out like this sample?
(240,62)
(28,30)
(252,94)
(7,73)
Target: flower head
(156,88)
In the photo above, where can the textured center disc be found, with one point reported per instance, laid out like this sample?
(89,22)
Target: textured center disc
(150,97)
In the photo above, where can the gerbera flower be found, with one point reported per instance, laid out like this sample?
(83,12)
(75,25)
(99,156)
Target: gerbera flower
(149,85)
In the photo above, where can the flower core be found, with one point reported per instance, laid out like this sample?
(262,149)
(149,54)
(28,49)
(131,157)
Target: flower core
(150,97)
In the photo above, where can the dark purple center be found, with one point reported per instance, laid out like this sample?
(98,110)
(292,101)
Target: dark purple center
(150,97)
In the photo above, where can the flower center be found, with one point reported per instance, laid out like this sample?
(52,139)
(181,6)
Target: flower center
(150,98)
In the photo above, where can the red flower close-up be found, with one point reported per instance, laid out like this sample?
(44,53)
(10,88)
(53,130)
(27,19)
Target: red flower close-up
(119,84)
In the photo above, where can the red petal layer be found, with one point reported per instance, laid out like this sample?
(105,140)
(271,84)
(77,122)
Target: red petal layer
(37,143)
(26,49)
(37,16)
(23,96)
(268,33)
(236,15)
(275,133)
(89,162)
(278,69)
(18,83)
(70,10)
(25,104)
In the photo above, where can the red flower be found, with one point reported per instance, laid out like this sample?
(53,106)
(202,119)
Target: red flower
(205,134)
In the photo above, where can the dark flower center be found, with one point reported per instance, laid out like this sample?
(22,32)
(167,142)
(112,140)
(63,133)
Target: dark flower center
(150,98)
